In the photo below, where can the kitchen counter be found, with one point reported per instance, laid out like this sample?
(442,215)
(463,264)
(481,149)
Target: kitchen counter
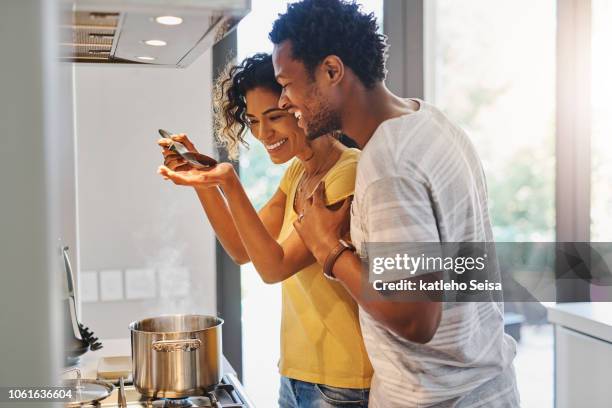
(594,319)
(112,347)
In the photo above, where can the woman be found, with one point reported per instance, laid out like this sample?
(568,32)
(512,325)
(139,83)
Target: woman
(323,360)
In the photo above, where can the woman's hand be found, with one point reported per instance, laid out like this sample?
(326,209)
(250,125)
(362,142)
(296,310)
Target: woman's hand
(223,175)
(178,170)
(173,160)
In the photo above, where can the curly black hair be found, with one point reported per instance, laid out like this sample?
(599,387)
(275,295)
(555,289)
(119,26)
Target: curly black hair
(231,88)
(318,28)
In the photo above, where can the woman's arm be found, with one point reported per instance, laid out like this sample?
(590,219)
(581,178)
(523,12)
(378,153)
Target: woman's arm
(215,206)
(275,262)
(250,236)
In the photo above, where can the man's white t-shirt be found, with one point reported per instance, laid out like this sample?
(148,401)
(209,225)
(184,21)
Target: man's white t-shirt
(419,179)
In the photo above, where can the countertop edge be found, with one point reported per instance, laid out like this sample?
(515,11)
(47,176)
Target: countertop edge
(584,318)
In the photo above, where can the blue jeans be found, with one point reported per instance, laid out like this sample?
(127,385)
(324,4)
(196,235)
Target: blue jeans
(302,394)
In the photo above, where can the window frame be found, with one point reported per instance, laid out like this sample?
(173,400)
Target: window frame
(573,121)
(228,277)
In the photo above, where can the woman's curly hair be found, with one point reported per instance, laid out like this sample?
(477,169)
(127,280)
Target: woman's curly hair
(231,123)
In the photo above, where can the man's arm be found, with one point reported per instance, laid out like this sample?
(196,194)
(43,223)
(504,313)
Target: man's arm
(413,320)
(321,228)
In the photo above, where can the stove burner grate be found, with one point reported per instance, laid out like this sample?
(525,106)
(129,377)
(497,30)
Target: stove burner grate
(227,394)
(172,403)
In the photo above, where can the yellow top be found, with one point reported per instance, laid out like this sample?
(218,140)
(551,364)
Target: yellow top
(320,334)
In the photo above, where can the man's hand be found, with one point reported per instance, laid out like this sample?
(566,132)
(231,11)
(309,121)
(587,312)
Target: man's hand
(321,227)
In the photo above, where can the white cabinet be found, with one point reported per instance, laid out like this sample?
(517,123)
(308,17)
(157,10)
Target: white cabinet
(583,354)
(582,370)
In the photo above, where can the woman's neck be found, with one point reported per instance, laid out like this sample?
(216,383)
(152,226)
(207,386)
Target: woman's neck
(321,154)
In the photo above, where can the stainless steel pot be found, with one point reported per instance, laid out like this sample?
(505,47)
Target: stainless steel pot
(176,356)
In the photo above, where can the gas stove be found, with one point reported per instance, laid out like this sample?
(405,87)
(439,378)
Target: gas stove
(227,394)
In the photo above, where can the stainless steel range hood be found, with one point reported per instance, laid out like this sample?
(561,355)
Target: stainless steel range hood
(171,33)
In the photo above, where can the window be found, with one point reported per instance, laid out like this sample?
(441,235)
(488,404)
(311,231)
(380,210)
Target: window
(490,66)
(601,122)
(492,69)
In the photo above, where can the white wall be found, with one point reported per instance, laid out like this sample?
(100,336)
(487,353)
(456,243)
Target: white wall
(145,245)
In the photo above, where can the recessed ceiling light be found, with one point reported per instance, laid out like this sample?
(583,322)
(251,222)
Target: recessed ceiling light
(169,20)
(146,58)
(155,43)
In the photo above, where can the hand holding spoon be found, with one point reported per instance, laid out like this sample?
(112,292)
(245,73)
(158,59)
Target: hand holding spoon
(197,160)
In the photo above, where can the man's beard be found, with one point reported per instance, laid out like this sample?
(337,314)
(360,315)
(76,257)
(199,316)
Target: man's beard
(324,119)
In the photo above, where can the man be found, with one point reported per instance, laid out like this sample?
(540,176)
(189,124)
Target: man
(418,180)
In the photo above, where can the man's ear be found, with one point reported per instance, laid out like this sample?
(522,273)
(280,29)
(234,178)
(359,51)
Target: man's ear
(333,69)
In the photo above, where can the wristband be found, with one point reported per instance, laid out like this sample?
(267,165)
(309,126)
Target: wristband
(333,256)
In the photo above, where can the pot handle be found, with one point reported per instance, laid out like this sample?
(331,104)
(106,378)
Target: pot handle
(176,345)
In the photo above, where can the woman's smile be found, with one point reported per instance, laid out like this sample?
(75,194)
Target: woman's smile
(274,146)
